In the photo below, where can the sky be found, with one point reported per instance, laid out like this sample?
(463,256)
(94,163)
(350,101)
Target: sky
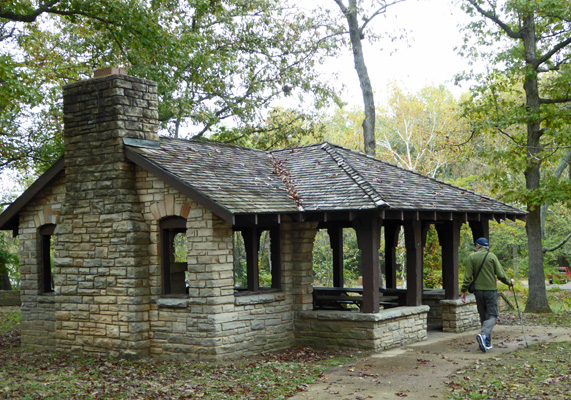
(428,58)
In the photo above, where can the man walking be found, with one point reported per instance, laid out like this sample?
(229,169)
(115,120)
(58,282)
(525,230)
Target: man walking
(483,267)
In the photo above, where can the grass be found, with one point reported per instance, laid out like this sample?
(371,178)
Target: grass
(32,375)
(540,371)
(26,374)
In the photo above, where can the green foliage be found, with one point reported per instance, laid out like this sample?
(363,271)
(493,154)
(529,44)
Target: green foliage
(282,128)
(323,259)
(213,61)
(432,261)
(264,261)
(9,260)
(500,107)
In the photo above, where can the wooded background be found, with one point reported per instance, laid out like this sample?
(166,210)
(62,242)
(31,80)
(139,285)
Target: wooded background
(249,72)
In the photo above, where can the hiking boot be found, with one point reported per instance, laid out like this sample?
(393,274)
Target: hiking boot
(481,342)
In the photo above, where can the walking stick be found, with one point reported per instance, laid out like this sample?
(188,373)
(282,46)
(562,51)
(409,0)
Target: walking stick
(520,320)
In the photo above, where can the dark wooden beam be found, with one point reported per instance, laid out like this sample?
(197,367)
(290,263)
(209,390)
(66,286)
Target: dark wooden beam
(252,244)
(368,229)
(336,243)
(275,249)
(413,240)
(480,229)
(449,239)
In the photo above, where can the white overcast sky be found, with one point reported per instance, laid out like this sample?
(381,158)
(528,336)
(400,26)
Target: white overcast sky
(428,58)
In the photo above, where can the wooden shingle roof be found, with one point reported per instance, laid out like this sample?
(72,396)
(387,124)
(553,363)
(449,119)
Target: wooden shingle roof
(323,177)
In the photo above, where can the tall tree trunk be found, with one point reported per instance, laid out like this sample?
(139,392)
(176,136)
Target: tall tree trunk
(356,35)
(4,279)
(537,300)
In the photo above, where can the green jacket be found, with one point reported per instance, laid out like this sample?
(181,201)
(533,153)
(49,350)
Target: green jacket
(490,270)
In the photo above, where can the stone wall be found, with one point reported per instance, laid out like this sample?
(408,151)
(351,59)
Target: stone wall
(10,298)
(101,246)
(458,316)
(352,330)
(38,308)
(432,298)
(212,322)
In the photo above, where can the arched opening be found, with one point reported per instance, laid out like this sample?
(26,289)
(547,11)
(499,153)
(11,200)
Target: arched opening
(173,255)
(46,275)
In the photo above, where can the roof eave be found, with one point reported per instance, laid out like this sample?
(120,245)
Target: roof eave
(9,219)
(179,185)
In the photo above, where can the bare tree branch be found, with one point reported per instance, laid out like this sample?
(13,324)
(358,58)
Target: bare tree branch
(494,18)
(546,249)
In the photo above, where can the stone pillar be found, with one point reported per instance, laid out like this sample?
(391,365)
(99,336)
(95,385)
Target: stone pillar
(459,317)
(102,291)
(297,262)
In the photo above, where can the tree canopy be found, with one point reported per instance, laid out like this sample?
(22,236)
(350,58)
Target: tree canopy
(215,62)
(524,99)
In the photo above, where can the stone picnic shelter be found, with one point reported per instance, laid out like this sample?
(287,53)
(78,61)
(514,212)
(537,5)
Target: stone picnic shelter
(97,235)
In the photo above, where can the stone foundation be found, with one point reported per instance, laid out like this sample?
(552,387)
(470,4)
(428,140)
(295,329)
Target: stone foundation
(386,329)
(458,316)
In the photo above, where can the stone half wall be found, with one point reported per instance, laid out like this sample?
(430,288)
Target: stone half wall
(384,330)
(212,322)
(38,308)
(10,298)
(458,316)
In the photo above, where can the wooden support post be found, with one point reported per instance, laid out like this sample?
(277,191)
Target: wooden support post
(336,243)
(392,230)
(368,228)
(449,239)
(252,244)
(413,240)
(275,249)
(480,229)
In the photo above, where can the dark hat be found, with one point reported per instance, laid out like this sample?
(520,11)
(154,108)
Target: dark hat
(482,242)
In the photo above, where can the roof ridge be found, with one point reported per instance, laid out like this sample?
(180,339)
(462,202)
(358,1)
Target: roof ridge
(212,142)
(356,176)
(427,177)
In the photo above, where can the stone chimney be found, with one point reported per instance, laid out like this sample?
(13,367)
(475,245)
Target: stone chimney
(101,248)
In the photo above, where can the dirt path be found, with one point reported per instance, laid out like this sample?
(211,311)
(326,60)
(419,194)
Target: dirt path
(419,371)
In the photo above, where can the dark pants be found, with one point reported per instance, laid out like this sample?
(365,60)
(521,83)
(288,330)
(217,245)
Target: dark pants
(487,303)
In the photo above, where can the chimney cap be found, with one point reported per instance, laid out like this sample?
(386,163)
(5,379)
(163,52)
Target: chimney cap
(109,71)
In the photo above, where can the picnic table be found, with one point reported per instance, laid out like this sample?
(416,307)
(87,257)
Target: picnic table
(334,298)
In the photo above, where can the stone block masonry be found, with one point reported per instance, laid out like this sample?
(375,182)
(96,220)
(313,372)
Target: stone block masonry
(384,330)
(38,306)
(459,317)
(101,246)
(10,298)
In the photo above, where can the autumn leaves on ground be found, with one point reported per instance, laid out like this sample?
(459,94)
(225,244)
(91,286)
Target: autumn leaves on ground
(542,371)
